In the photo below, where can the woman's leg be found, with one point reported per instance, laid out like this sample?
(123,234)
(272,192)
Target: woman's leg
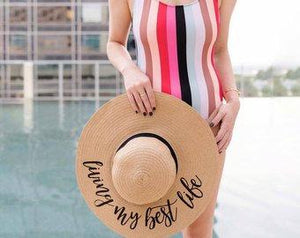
(203,226)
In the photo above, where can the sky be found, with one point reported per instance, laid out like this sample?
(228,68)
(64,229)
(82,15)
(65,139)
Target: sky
(264,33)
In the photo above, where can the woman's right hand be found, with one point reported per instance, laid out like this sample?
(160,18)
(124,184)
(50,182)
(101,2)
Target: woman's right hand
(139,90)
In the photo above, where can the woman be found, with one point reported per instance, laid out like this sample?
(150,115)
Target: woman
(181,50)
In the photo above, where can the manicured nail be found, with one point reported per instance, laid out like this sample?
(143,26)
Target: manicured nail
(145,113)
(211,124)
(154,108)
(136,111)
(150,113)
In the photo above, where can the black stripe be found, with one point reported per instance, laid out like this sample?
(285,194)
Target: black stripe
(181,54)
(157,137)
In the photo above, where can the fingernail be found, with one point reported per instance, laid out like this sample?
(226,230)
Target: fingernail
(154,108)
(150,113)
(211,124)
(145,113)
(136,111)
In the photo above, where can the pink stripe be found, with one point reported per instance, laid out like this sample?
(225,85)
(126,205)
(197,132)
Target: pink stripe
(212,16)
(217,14)
(153,44)
(172,49)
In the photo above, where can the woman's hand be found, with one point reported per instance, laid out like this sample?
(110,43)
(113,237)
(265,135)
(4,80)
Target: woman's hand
(139,90)
(226,115)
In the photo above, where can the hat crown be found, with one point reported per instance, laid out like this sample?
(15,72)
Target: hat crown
(191,144)
(143,170)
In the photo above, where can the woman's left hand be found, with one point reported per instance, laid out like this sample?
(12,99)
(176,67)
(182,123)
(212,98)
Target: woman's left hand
(226,115)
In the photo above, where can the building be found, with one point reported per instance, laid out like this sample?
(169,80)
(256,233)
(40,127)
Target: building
(62,44)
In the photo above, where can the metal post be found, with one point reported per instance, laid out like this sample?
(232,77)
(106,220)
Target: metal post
(28,79)
(8,78)
(2,31)
(97,83)
(118,88)
(2,50)
(35,44)
(2,85)
(60,81)
(7,48)
(28,115)
(79,52)
(73,49)
(242,80)
(35,30)
(7,30)
(29,30)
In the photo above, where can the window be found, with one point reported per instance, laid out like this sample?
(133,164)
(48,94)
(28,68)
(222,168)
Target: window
(92,13)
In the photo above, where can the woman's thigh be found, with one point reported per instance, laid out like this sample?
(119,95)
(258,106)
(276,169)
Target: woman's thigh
(202,227)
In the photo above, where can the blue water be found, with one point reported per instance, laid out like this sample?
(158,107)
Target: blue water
(259,194)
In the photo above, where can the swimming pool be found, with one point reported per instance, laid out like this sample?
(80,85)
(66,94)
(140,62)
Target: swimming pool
(39,196)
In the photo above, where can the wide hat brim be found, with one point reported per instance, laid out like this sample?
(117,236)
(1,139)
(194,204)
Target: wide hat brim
(195,147)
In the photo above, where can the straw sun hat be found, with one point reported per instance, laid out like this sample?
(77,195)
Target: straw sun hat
(147,176)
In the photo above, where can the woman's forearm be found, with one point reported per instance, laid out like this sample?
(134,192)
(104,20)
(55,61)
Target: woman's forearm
(224,67)
(119,56)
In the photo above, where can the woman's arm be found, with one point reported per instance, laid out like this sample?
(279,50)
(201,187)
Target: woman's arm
(222,58)
(119,27)
(226,113)
(138,85)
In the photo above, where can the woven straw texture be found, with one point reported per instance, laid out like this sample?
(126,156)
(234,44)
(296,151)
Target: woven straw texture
(110,184)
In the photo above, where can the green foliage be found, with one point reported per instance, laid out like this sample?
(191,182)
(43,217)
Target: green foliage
(267,91)
(293,74)
(265,74)
(274,80)
(296,90)
(249,90)
(278,88)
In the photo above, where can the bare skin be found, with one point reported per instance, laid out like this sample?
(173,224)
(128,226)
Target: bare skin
(141,97)
(137,84)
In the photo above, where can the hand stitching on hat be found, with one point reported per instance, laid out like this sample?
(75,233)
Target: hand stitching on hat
(102,191)
(193,191)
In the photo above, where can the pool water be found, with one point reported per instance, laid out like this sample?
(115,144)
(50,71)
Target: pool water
(259,194)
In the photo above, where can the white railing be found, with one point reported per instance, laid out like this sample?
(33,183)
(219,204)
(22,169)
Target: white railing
(63,80)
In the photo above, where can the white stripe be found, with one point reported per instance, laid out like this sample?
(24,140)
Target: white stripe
(200,35)
(190,55)
(137,15)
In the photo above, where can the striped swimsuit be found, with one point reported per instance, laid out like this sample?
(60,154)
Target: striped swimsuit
(175,46)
